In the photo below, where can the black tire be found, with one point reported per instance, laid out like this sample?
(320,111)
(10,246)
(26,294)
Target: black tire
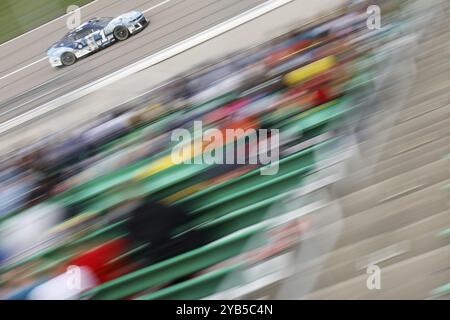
(121,33)
(68,59)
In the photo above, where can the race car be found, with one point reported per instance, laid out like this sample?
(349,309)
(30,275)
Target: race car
(94,35)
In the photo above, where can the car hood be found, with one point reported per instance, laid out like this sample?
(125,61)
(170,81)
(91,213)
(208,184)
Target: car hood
(130,15)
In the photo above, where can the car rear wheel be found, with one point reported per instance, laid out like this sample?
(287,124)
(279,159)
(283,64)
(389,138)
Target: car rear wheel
(68,58)
(121,33)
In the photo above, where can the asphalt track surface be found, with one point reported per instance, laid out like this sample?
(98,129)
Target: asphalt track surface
(27,80)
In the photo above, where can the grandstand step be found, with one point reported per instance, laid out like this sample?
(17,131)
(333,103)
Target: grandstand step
(397,186)
(402,164)
(384,249)
(430,133)
(394,214)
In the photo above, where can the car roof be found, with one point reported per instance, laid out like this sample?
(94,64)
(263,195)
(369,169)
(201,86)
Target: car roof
(91,23)
(80,28)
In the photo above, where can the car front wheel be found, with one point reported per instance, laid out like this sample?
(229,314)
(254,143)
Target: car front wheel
(68,58)
(121,33)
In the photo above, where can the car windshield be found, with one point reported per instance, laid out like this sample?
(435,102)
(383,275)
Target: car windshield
(71,36)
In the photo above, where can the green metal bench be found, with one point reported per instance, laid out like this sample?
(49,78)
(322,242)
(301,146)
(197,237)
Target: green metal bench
(179,266)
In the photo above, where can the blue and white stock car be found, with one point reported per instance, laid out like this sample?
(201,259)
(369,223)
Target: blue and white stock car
(95,35)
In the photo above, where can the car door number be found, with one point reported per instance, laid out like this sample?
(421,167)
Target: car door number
(91,43)
(104,38)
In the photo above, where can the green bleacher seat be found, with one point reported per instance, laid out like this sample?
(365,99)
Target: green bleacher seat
(199,287)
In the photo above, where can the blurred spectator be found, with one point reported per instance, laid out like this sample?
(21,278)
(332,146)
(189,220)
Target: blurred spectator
(29,232)
(153,223)
(102,261)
